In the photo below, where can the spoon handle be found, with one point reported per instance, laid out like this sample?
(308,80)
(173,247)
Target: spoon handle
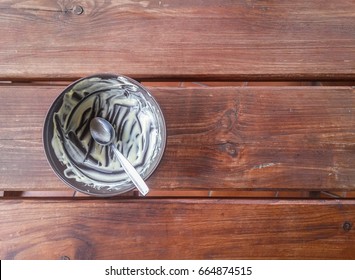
(132,172)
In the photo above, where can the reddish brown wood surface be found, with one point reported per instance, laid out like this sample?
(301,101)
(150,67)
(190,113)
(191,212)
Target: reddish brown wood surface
(252,138)
(246,39)
(177,229)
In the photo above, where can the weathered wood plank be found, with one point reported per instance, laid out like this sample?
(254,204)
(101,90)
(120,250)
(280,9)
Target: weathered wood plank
(44,39)
(176,229)
(257,138)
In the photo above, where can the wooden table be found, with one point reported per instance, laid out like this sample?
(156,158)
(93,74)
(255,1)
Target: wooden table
(259,103)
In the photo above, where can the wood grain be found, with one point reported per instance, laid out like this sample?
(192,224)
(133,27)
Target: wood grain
(245,39)
(256,138)
(176,229)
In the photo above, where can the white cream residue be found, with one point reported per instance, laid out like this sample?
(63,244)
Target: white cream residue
(134,117)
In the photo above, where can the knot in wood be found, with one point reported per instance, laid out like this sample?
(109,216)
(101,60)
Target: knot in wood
(347,226)
(229,148)
(78,10)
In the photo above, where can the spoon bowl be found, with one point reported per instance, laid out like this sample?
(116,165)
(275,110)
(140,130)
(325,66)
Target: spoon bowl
(102,131)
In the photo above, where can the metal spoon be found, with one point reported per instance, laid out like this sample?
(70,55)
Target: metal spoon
(104,134)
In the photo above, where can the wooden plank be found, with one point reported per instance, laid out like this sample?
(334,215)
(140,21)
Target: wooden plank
(177,229)
(258,138)
(44,39)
